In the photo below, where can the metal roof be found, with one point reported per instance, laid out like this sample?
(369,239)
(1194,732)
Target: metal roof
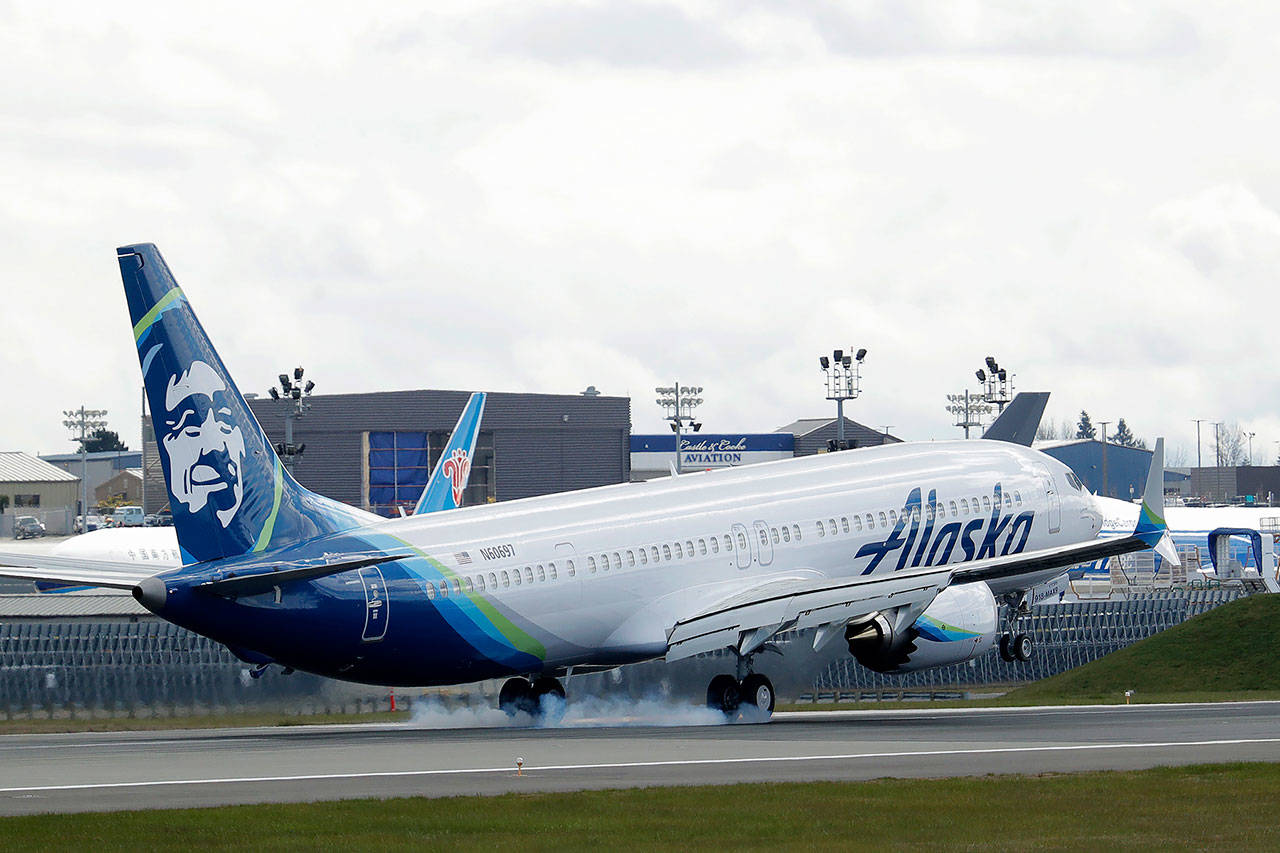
(19,467)
(94,455)
(61,605)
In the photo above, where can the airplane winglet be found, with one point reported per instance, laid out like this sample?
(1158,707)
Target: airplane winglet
(1151,527)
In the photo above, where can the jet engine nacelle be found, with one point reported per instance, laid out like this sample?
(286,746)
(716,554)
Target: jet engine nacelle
(961,623)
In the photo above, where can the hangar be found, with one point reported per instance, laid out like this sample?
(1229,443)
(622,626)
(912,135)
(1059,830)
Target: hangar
(376,450)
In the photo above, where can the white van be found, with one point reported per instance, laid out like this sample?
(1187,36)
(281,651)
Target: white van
(127,516)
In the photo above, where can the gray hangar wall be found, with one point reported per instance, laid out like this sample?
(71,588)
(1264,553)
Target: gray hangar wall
(530,444)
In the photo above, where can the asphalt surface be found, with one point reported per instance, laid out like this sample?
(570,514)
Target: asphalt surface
(108,771)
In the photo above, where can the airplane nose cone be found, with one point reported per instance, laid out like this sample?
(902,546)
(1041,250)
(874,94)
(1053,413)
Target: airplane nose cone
(151,593)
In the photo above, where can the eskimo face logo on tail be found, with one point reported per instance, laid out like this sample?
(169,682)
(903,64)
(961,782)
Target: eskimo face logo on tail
(456,468)
(204,445)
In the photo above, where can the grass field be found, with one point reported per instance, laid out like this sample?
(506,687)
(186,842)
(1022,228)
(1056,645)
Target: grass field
(1205,807)
(1230,651)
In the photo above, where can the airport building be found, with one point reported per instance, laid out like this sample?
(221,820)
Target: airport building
(655,455)
(31,486)
(1109,470)
(98,467)
(376,450)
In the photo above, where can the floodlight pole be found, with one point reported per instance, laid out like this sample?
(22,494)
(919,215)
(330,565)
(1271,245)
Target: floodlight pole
(294,393)
(679,401)
(968,409)
(844,382)
(997,384)
(82,422)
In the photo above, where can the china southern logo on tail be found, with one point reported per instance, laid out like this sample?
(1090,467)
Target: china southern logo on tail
(928,548)
(456,468)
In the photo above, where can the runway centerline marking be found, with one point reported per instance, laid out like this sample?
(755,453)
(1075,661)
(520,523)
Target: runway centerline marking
(458,771)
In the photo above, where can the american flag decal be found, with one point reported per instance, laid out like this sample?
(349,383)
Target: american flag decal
(463,558)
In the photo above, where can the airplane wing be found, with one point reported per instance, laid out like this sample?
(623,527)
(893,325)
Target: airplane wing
(75,570)
(246,579)
(747,620)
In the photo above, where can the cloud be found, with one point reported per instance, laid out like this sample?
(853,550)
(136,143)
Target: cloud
(1054,29)
(1224,229)
(620,34)
(544,196)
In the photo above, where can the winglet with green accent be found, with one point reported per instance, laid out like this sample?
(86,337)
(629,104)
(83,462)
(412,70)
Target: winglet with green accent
(1151,527)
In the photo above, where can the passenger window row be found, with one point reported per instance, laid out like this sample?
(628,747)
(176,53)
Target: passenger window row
(930,512)
(701,547)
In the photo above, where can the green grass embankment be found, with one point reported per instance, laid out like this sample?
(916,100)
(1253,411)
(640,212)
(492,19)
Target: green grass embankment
(1230,652)
(1211,807)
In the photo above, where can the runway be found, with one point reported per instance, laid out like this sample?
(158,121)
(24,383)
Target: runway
(109,771)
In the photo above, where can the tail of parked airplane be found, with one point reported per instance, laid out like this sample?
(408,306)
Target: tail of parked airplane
(1018,423)
(227,489)
(449,479)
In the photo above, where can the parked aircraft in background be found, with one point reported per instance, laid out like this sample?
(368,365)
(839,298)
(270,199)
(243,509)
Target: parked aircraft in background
(157,547)
(1213,543)
(914,554)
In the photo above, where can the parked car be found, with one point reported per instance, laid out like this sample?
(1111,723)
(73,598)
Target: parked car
(127,516)
(27,527)
(95,523)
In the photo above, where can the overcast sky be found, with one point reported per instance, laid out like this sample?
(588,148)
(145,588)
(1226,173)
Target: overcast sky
(540,196)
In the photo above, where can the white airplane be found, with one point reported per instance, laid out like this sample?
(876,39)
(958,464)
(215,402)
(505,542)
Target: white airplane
(1214,535)
(157,547)
(909,553)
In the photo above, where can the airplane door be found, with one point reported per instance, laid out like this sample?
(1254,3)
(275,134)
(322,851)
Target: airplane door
(1055,501)
(766,547)
(742,546)
(376,604)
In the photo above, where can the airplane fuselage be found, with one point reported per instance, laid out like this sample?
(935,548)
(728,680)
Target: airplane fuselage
(599,577)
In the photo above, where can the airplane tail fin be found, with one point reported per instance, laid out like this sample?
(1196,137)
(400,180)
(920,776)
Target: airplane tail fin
(227,489)
(449,479)
(1020,419)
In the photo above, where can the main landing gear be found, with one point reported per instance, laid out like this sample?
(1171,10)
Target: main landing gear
(520,696)
(1016,645)
(749,694)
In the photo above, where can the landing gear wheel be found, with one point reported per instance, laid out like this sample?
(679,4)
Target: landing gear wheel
(1021,647)
(516,696)
(723,694)
(1006,652)
(757,692)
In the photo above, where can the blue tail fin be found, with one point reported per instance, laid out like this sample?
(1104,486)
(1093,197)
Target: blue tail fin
(449,479)
(227,489)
